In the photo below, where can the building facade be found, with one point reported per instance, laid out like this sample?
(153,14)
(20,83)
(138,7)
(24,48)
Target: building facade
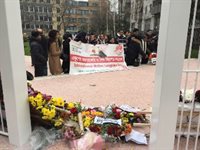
(81,15)
(155,11)
(36,14)
(148,18)
(145,14)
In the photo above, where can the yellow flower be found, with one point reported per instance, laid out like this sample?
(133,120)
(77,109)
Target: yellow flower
(58,102)
(51,114)
(87,118)
(39,107)
(30,98)
(39,102)
(98,114)
(33,104)
(86,123)
(39,96)
(124,120)
(131,114)
(70,105)
(45,111)
(58,122)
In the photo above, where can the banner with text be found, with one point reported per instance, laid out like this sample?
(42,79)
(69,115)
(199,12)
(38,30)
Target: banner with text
(87,58)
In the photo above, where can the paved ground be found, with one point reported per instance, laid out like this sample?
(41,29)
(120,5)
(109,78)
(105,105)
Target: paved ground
(134,87)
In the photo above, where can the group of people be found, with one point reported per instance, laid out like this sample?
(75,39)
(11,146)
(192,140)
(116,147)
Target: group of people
(51,49)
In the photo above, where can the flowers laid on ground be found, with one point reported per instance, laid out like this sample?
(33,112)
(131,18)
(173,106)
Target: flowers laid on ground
(74,119)
(189,95)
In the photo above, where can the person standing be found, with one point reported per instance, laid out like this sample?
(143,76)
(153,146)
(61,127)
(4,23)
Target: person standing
(39,61)
(44,44)
(66,52)
(54,53)
(134,49)
(121,39)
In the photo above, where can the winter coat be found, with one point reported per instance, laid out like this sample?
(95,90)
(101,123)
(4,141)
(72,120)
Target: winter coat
(54,59)
(37,53)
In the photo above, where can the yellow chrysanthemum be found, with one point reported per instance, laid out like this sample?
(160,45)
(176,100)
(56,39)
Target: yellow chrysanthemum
(131,114)
(70,105)
(87,118)
(124,120)
(58,122)
(30,98)
(39,96)
(39,107)
(86,123)
(33,103)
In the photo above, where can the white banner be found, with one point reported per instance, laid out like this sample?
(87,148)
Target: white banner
(87,58)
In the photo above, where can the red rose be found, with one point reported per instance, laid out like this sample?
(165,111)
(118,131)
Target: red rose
(74,110)
(95,128)
(117,115)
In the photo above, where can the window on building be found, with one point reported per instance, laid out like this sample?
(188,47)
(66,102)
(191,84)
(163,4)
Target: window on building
(41,18)
(37,26)
(67,12)
(34,1)
(37,18)
(48,1)
(41,1)
(94,12)
(26,18)
(45,9)
(32,26)
(25,8)
(45,18)
(57,1)
(31,8)
(58,10)
(31,17)
(21,7)
(36,9)
(150,7)
(41,26)
(83,3)
(23,26)
(84,12)
(74,3)
(58,27)
(27,26)
(94,4)
(40,9)
(58,19)
(50,19)
(49,9)
(146,10)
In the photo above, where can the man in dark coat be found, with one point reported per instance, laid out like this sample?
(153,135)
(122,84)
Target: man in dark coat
(66,52)
(134,49)
(39,59)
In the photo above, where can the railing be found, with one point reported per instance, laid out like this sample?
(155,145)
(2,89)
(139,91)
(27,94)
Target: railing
(188,123)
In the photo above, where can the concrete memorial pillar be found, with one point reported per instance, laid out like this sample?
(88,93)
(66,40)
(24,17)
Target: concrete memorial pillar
(12,67)
(171,48)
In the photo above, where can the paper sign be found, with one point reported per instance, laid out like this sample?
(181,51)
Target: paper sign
(100,120)
(136,137)
(129,108)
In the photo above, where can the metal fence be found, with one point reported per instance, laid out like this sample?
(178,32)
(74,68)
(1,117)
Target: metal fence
(188,122)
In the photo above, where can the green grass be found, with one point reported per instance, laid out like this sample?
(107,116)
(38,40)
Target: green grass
(27,48)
